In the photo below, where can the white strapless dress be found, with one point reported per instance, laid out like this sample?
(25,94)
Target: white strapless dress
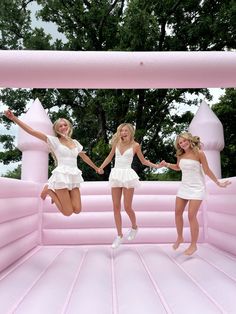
(122,175)
(192,186)
(66,174)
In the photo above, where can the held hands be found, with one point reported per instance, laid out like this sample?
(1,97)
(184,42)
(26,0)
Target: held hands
(163,163)
(100,171)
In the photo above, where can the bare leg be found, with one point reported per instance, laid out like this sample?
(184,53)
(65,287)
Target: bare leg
(128,198)
(194,227)
(76,200)
(65,204)
(179,222)
(116,199)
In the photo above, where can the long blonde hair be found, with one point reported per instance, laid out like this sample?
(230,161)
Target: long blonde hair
(58,134)
(194,141)
(116,138)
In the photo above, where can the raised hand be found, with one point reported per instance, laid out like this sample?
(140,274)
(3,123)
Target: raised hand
(9,114)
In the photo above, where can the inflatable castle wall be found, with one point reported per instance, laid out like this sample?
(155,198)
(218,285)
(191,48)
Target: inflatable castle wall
(26,221)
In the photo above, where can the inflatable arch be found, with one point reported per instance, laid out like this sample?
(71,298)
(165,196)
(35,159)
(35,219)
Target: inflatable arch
(115,69)
(27,223)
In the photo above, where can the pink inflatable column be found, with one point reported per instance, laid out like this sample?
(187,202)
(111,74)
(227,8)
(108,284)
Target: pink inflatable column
(34,151)
(206,125)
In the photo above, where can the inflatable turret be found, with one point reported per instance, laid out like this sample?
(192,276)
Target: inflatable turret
(34,151)
(208,127)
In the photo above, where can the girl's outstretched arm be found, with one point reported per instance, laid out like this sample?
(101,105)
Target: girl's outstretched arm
(10,115)
(144,161)
(107,160)
(88,161)
(210,173)
(171,166)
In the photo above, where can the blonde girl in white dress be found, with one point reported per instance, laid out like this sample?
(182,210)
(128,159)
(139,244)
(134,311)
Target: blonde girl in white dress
(123,179)
(192,161)
(63,185)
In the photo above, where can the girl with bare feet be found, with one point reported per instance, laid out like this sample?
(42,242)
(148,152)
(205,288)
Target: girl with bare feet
(63,185)
(123,179)
(191,160)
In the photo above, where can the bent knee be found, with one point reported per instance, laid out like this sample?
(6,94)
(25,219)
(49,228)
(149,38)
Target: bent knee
(76,210)
(67,212)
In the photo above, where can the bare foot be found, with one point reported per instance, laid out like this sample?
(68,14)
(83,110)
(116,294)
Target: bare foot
(177,243)
(190,250)
(44,192)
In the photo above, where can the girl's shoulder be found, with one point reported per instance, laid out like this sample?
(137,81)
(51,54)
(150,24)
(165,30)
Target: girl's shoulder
(201,154)
(113,147)
(74,140)
(135,144)
(52,136)
(53,141)
(78,145)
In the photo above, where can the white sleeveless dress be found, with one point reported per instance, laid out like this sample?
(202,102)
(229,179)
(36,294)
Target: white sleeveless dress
(66,174)
(192,186)
(122,175)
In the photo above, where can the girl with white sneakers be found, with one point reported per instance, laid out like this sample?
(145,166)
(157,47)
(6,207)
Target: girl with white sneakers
(123,179)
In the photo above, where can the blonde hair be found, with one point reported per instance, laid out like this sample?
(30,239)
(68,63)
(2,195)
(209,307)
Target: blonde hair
(194,141)
(116,138)
(56,124)
(58,134)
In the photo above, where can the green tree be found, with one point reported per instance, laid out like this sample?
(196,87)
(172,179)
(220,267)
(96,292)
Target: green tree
(226,112)
(134,25)
(15,174)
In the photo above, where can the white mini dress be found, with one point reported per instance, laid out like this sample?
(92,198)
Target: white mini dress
(66,174)
(122,175)
(192,186)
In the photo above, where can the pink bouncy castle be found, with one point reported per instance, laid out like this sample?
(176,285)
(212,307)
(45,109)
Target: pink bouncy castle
(50,263)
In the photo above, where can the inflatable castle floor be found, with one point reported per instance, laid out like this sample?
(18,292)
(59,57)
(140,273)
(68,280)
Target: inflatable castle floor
(54,264)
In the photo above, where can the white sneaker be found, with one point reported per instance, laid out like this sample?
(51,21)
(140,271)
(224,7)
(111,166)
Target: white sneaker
(132,234)
(117,242)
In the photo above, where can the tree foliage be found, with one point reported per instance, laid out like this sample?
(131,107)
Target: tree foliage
(133,25)
(226,112)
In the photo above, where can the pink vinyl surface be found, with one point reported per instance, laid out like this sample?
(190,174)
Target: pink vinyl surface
(55,264)
(117,69)
(135,279)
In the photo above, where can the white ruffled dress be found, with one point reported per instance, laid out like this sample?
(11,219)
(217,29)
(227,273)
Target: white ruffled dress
(192,185)
(66,175)
(122,175)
